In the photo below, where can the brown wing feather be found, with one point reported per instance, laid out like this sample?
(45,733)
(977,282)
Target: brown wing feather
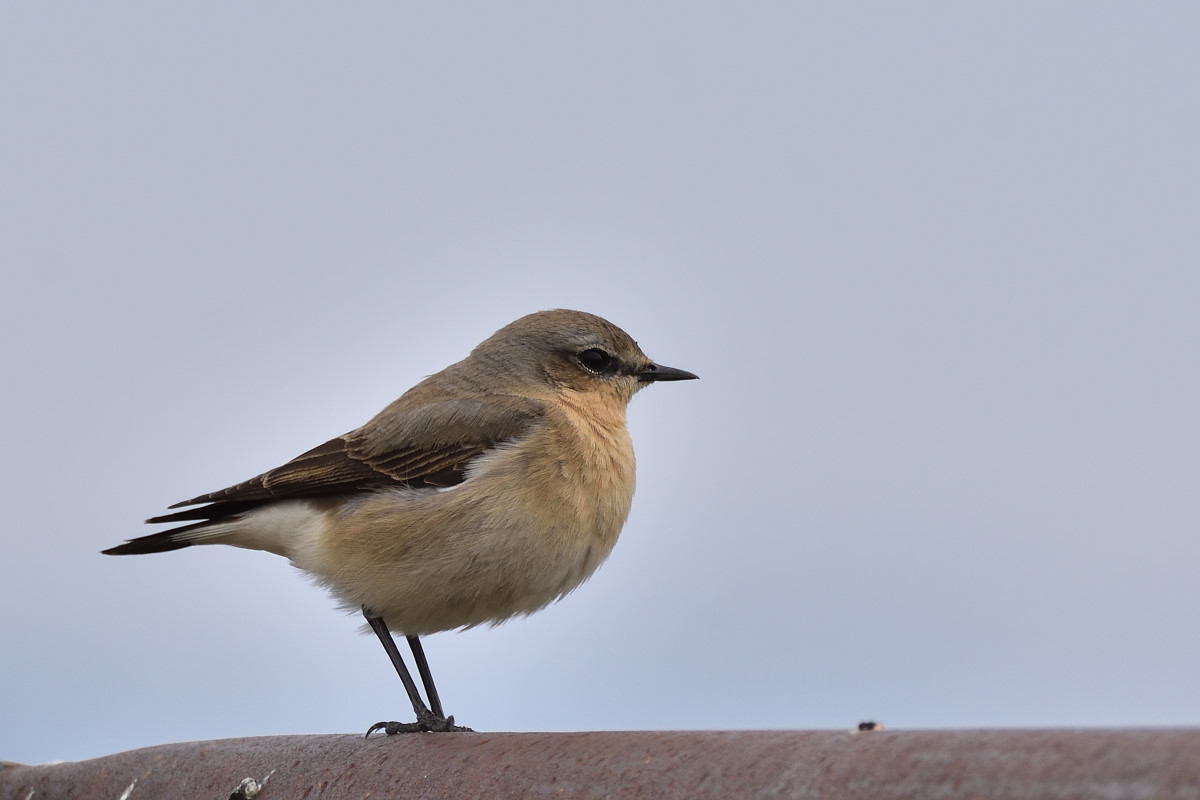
(427,446)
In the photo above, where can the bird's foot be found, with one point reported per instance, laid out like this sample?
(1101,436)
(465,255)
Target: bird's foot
(428,722)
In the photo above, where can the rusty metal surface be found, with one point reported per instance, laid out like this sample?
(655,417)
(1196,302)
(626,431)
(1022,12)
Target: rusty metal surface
(1025,764)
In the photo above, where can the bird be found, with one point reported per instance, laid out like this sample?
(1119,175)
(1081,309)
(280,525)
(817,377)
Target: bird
(486,491)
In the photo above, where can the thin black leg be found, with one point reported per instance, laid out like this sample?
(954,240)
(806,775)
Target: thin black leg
(435,704)
(432,721)
(389,644)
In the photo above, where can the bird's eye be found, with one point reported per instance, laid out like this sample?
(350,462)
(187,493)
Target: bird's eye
(595,360)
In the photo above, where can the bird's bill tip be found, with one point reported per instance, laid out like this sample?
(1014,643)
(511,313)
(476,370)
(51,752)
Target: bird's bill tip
(657,372)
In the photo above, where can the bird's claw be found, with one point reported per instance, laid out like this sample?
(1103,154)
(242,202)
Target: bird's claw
(427,722)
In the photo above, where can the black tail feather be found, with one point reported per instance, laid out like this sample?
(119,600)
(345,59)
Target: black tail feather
(163,541)
(154,543)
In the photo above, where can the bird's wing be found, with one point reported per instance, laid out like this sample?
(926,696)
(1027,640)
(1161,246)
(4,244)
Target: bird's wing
(427,446)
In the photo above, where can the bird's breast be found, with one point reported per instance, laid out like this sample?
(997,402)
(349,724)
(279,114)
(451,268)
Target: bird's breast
(534,519)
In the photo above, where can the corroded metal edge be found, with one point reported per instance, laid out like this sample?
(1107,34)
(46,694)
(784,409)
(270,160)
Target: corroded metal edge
(1111,763)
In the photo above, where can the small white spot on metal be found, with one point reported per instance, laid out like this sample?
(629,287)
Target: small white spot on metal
(249,788)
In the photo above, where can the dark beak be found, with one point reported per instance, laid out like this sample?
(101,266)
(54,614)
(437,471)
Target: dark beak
(657,372)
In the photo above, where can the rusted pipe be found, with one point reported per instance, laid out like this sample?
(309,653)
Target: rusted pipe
(1026,764)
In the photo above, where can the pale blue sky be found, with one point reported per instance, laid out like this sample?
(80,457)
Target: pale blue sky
(938,267)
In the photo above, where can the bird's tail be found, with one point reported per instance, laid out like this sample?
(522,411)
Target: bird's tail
(160,542)
(216,523)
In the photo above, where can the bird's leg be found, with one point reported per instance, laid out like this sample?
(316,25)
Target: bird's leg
(435,704)
(427,720)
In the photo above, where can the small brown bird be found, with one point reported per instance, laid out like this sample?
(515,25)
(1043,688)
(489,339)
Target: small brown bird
(488,490)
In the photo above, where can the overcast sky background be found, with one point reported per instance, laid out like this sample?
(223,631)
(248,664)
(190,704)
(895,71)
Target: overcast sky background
(938,267)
